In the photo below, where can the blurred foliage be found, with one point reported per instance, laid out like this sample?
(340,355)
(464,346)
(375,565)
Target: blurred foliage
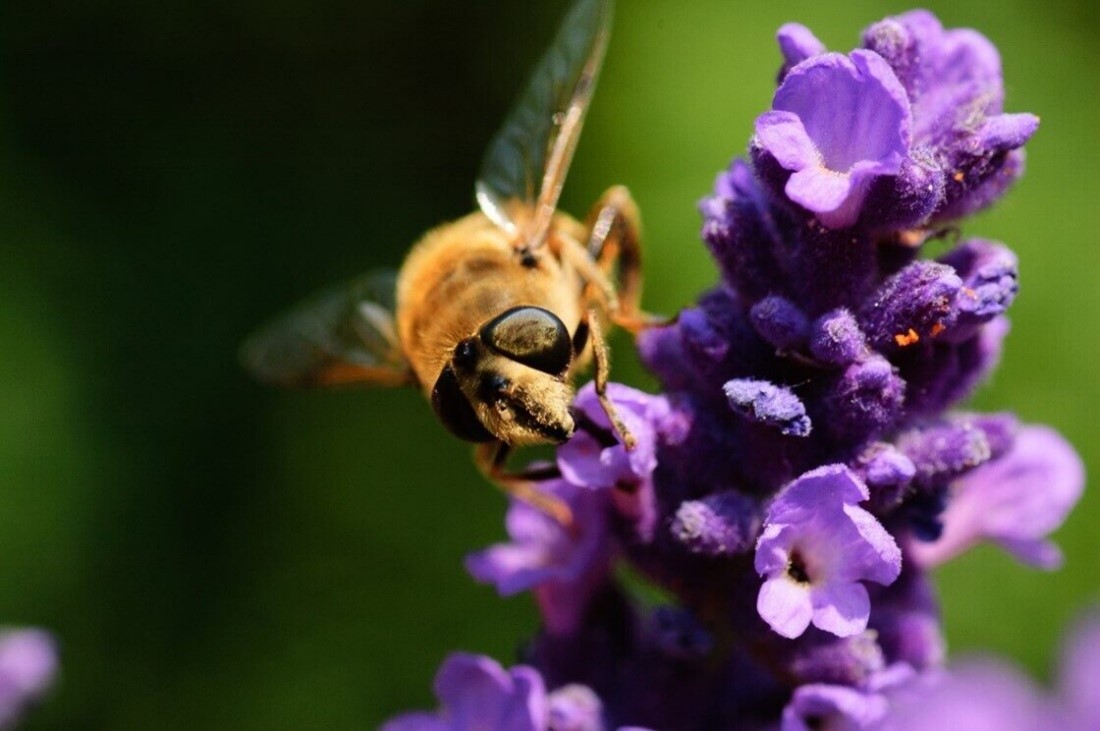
(214,555)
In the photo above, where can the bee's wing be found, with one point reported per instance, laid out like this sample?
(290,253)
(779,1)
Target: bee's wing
(344,335)
(528,158)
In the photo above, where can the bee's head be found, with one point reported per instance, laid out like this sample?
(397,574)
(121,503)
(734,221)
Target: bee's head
(508,381)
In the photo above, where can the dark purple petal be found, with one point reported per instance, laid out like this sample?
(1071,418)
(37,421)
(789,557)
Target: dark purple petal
(863,401)
(780,322)
(742,231)
(679,634)
(943,451)
(906,620)
(836,338)
(990,282)
(721,524)
(914,304)
(768,404)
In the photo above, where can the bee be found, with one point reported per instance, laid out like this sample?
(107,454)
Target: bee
(492,315)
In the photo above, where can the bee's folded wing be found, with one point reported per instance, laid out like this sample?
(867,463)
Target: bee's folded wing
(344,335)
(528,158)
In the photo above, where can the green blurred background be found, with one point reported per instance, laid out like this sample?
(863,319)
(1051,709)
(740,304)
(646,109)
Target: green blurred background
(214,555)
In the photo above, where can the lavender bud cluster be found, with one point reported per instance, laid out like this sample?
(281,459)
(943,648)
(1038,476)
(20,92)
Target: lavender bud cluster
(807,462)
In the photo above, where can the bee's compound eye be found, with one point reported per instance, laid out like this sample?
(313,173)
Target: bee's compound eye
(452,408)
(465,355)
(532,336)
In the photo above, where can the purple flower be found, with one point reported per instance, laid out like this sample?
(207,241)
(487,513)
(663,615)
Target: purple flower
(838,122)
(477,693)
(987,694)
(1079,671)
(1015,501)
(841,707)
(595,459)
(953,78)
(28,664)
(977,695)
(563,566)
(816,548)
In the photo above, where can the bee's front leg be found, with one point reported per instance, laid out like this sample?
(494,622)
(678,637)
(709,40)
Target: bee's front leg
(491,457)
(603,367)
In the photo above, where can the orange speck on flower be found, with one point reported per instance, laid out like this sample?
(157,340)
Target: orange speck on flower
(958,176)
(938,328)
(906,339)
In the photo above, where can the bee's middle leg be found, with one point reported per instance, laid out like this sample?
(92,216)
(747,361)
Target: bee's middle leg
(490,458)
(615,242)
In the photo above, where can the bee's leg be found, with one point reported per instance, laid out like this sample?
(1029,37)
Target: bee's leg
(603,367)
(615,241)
(490,458)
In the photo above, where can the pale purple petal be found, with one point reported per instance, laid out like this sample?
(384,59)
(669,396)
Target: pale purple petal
(838,122)
(478,693)
(785,137)
(834,196)
(1015,501)
(841,609)
(773,549)
(834,707)
(28,665)
(786,606)
(976,695)
(797,43)
(574,708)
(1079,672)
(879,558)
(416,721)
(852,107)
(817,539)
(564,566)
(824,488)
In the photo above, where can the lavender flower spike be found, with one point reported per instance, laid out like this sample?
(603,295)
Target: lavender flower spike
(816,547)
(838,122)
(805,416)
